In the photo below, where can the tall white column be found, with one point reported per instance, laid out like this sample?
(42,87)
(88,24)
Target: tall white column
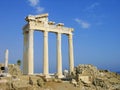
(25,62)
(59,56)
(45,57)
(71,55)
(28,64)
(30,52)
(6,61)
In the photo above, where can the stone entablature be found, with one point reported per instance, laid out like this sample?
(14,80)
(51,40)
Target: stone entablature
(40,22)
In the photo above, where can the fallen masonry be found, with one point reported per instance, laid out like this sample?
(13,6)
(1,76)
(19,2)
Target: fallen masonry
(84,77)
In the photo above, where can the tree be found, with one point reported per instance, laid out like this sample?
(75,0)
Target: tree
(19,62)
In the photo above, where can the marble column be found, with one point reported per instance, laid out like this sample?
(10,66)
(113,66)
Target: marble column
(45,57)
(71,54)
(6,61)
(25,62)
(59,56)
(28,66)
(30,52)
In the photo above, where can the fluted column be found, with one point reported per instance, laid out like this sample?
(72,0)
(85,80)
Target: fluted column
(30,52)
(28,66)
(25,60)
(71,54)
(59,56)
(45,57)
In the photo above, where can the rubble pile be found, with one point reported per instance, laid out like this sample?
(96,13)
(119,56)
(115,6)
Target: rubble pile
(89,77)
(24,82)
(84,77)
(87,70)
(13,69)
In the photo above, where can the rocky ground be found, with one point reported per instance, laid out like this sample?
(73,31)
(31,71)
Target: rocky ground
(89,77)
(84,77)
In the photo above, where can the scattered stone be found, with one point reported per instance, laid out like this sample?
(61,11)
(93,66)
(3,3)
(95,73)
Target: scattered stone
(40,82)
(88,77)
(84,77)
(30,81)
(74,82)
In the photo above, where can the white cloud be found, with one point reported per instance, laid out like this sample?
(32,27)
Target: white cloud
(92,6)
(39,9)
(82,23)
(33,3)
(36,6)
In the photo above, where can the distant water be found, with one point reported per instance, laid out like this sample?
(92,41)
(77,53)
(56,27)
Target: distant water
(118,72)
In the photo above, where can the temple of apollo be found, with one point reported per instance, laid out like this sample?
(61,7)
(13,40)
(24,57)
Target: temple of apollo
(41,23)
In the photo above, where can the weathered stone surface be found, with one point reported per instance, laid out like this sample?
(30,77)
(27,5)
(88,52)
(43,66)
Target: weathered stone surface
(89,77)
(40,82)
(102,80)
(13,69)
(87,70)
(85,79)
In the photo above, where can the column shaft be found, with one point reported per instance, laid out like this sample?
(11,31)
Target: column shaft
(25,62)
(30,53)
(59,56)
(71,55)
(6,61)
(28,65)
(45,62)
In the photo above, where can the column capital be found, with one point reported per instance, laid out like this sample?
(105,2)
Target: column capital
(59,32)
(30,30)
(45,33)
(25,32)
(59,37)
(70,36)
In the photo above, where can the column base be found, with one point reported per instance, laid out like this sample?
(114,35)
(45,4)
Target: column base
(47,76)
(60,76)
(30,74)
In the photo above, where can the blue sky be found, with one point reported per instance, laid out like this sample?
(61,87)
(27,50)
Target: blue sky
(96,26)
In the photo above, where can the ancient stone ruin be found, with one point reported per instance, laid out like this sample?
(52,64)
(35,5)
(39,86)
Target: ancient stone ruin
(41,23)
(81,77)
